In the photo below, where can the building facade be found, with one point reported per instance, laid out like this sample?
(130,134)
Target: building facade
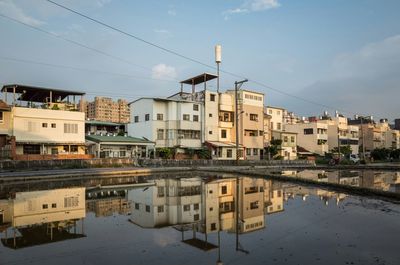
(107,110)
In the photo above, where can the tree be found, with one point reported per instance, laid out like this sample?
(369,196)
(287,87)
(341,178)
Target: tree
(380,153)
(345,150)
(274,147)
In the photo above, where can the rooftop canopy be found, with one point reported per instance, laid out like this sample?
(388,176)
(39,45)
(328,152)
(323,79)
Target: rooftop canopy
(38,94)
(199,79)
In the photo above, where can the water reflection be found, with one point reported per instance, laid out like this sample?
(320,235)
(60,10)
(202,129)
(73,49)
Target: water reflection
(197,212)
(385,180)
(39,217)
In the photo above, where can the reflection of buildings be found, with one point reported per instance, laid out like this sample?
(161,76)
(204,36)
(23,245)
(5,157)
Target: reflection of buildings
(208,205)
(43,216)
(273,196)
(169,202)
(108,206)
(291,191)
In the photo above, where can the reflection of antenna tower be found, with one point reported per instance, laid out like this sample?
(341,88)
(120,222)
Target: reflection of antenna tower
(218,61)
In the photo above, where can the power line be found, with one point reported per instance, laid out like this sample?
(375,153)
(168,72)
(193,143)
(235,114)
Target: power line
(186,57)
(75,43)
(81,69)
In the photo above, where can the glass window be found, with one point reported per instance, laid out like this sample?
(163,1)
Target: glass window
(248,151)
(54,205)
(137,206)
(186,117)
(53,125)
(212,97)
(196,206)
(160,209)
(195,117)
(45,206)
(160,116)
(224,189)
(44,125)
(136,118)
(223,133)
(255,151)
(147,117)
(195,107)
(148,208)
(308,131)
(253,117)
(229,153)
(160,134)
(186,207)
(292,139)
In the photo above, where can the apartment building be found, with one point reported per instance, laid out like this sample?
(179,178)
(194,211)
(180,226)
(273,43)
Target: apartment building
(41,123)
(288,148)
(341,133)
(168,122)
(107,110)
(251,123)
(312,136)
(375,135)
(276,121)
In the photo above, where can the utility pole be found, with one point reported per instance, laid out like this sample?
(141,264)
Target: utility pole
(238,84)
(338,142)
(362,135)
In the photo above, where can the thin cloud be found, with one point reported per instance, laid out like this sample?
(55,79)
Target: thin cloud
(252,6)
(163,71)
(9,8)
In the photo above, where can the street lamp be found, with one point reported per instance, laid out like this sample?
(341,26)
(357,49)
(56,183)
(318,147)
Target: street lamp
(238,85)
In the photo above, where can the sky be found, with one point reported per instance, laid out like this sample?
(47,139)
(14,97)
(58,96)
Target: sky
(323,55)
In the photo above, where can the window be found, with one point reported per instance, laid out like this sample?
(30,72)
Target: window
(248,151)
(223,133)
(1,117)
(254,205)
(44,125)
(196,206)
(160,116)
(209,132)
(213,227)
(186,207)
(147,117)
(54,205)
(71,202)
(160,209)
(272,125)
(211,209)
(308,131)
(270,111)
(45,206)
(196,217)
(229,153)
(212,97)
(292,139)
(195,117)
(160,192)
(224,190)
(71,128)
(253,117)
(137,206)
(186,117)
(54,151)
(74,148)
(160,134)
(255,151)
(31,149)
(278,112)
(148,208)
(53,125)
(285,139)
(195,107)
(278,126)
(279,193)
(210,115)
(136,118)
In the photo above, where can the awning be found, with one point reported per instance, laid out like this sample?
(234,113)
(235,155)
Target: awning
(223,144)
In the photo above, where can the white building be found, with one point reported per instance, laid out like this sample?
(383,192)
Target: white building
(55,128)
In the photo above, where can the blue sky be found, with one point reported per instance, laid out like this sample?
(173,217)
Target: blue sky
(344,54)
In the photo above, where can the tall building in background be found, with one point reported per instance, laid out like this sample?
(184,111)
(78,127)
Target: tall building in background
(105,109)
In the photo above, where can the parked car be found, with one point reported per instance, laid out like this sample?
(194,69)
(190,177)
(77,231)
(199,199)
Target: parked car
(354,158)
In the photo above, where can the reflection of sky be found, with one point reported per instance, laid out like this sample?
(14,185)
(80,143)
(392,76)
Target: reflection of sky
(307,232)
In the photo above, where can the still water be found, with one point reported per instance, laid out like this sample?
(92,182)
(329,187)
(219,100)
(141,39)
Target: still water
(174,219)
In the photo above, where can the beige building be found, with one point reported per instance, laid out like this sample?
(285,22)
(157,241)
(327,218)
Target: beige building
(251,123)
(341,133)
(312,136)
(105,109)
(288,148)
(48,126)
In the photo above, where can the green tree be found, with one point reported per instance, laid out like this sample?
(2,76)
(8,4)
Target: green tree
(274,147)
(345,150)
(380,153)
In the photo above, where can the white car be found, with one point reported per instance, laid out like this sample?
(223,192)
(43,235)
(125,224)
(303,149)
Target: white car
(354,158)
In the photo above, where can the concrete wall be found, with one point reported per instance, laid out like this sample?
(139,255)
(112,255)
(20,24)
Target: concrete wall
(28,125)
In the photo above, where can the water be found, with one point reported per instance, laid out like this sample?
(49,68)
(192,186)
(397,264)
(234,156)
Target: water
(380,180)
(78,222)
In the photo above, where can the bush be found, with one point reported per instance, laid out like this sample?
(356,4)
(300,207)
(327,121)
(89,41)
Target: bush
(165,153)
(380,154)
